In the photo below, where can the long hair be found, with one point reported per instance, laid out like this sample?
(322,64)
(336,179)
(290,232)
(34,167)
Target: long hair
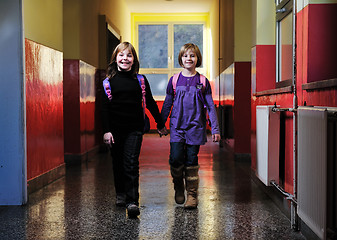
(194,48)
(112,67)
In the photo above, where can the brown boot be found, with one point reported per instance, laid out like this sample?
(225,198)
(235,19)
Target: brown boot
(192,184)
(178,181)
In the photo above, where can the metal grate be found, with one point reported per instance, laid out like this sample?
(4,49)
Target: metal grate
(312,168)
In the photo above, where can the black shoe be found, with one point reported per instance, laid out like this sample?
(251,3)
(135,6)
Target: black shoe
(120,201)
(133,210)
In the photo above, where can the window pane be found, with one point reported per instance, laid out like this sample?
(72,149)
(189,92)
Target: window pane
(153,43)
(286,59)
(158,84)
(187,33)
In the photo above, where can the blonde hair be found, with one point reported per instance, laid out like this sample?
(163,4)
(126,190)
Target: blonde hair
(112,67)
(194,48)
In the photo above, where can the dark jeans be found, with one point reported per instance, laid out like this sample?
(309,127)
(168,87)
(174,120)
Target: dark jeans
(125,161)
(183,154)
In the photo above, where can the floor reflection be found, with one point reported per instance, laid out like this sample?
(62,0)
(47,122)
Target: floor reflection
(81,205)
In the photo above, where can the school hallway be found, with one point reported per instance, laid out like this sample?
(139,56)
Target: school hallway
(81,205)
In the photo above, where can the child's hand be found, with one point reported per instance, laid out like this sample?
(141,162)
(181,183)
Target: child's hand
(162,131)
(108,139)
(216,137)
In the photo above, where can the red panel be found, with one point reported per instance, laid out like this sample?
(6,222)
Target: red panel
(313,51)
(301,52)
(322,47)
(87,106)
(44,109)
(99,76)
(71,107)
(288,153)
(265,67)
(287,66)
(242,114)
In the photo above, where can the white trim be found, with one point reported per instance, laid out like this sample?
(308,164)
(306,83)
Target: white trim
(113,31)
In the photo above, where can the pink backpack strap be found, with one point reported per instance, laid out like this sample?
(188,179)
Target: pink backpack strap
(176,76)
(203,80)
(175,80)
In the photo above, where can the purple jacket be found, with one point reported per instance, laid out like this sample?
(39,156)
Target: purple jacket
(188,116)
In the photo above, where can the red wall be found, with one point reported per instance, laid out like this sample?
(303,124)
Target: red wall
(265,67)
(71,106)
(44,108)
(321,36)
(316,54)
(242,101)
(265,80)
(87,106)
(79,107)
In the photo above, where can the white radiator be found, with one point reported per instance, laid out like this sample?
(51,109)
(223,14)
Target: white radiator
(267,144)
(312,168)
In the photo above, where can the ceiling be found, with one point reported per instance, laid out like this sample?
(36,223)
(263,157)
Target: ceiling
(168,6)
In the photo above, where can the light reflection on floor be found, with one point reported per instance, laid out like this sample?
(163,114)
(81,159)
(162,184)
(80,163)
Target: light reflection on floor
(81,204)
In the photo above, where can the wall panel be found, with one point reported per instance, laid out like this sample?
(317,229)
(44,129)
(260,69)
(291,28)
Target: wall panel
(44,105)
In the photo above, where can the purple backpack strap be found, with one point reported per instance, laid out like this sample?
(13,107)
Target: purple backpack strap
(142,85)
(107,88)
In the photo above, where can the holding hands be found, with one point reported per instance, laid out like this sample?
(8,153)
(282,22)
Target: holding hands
(162,131)
(216,137)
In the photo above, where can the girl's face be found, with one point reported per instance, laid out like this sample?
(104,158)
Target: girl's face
(189,59)
(124,60)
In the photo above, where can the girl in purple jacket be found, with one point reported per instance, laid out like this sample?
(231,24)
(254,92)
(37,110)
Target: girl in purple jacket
(188,97)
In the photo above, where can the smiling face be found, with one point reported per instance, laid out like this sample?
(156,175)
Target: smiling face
(124,60)
(189,59)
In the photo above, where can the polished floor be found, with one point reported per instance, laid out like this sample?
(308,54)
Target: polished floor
(81,205)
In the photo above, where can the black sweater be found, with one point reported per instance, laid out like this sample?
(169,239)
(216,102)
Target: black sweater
(124,113)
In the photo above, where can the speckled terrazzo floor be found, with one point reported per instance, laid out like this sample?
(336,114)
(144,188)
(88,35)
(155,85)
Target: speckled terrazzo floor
(81,205)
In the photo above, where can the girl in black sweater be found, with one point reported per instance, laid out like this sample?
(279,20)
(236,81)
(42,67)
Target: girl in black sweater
(123,123)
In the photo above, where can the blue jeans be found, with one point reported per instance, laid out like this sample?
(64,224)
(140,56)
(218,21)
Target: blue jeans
(183,154)
(125,161)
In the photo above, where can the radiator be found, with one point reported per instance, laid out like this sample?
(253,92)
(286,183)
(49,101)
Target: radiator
(267,144)
(312,168)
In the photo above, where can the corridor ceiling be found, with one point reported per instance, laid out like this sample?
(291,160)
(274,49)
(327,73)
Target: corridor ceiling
(168,6)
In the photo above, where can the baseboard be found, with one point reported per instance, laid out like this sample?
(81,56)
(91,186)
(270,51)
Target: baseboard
(45,179)
(242,157)
(307,232)
(75,159)
(277,197)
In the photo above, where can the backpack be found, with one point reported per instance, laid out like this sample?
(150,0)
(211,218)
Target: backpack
(146,118)
(200,95)
(175,79)
(107,90)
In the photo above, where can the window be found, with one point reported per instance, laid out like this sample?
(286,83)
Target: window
(284,42)
(153,46)
(158,49)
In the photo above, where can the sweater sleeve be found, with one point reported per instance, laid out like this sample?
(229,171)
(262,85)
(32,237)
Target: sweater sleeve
(211,109)
(152,105)
(168,102)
